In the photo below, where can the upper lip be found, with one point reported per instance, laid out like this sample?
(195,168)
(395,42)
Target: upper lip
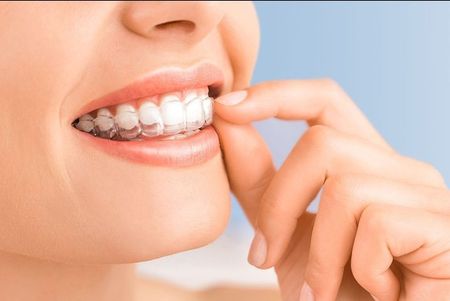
(162,81)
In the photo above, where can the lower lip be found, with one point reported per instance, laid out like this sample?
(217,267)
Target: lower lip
(193,150)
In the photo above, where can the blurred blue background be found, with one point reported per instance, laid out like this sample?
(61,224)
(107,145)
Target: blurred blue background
(391,58)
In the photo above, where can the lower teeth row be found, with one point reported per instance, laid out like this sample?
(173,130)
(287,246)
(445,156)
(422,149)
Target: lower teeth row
(106,126)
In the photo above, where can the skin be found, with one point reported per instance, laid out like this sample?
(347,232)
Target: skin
(78,219)
(383,223)
(72,222)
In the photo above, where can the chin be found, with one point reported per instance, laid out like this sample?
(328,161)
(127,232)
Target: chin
(134,213)
(116,212)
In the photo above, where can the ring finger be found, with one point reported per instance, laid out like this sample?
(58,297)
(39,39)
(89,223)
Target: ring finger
(343,201)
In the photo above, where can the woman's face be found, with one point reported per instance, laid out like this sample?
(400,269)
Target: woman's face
(65,200)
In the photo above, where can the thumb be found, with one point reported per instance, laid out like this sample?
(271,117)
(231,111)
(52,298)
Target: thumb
(248,162)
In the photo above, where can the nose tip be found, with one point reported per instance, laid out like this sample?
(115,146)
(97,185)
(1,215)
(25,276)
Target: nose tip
(190,21)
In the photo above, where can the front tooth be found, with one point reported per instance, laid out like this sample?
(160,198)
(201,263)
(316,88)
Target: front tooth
(207,110)
(127,121)
(85,123)
(104,124)
(195,117)
(151,121)
(190,95)
(172,113)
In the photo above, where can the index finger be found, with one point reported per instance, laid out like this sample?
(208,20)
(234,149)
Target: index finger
(317,101)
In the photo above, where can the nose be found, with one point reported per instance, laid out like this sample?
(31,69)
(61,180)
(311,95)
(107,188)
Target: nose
(190,21)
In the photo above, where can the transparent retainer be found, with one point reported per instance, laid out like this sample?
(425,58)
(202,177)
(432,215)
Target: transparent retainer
(131,128)
(104,126)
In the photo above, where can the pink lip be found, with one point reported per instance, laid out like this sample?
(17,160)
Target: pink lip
(159,82)
(189,151)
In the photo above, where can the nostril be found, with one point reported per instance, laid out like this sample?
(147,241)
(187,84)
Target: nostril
(178,25)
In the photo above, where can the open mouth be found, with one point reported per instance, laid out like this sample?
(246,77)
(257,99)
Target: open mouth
(162,119)
(173,115)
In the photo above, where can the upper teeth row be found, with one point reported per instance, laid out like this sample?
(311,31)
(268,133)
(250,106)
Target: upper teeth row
(171,117)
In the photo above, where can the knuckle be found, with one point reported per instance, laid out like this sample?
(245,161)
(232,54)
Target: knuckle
(332,87)
(373,219)
(330,84)
(319,136)
(424,172)
(340,191)
(370,223)
(434,175)
(337,186)
(357,264)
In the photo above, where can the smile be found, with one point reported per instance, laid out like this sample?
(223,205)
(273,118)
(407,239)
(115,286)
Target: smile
(178,112)
(162,119)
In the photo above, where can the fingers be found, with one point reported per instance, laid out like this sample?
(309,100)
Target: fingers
(248,162)
(319,101)
(321,153)
(416,237)
(343,200)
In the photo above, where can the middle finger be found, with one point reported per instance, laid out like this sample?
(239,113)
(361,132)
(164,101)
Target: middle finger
(321,153)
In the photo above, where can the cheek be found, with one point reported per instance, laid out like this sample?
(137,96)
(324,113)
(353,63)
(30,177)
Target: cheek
(133,212)
(241,27)
(88,207)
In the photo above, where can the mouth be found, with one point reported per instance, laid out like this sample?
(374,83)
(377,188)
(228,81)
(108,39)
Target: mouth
(163,118)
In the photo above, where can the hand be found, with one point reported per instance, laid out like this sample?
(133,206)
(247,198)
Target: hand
(385,215)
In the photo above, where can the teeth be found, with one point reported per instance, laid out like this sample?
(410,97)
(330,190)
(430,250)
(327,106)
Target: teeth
(127,121)
(195,117)
(170,97)
(172,113)
(104,124)
(85,123)
(207,109)
(126,117)
(151,121)
(179,115)
(190,95)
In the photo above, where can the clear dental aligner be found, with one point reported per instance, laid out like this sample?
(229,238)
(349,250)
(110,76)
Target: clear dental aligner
(178,115)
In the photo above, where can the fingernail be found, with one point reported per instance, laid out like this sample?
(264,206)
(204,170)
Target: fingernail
(258,250)
(306,294)
(232,98)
